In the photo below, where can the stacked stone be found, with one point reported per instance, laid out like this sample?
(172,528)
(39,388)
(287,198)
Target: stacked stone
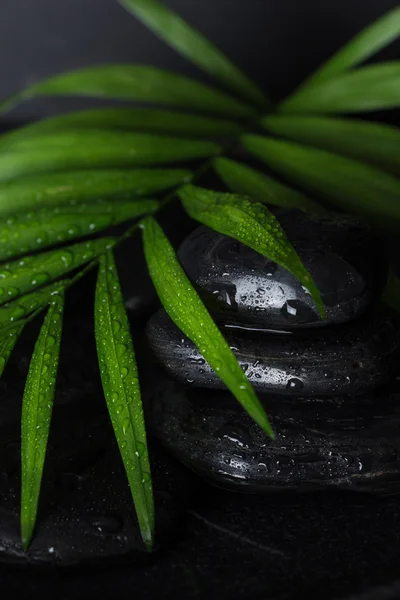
(327,385)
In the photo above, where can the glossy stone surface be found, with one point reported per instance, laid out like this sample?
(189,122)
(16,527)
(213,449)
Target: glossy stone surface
(343,442)
(343,256)
(349,359)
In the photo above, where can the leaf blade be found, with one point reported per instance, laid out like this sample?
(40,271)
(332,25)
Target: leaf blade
(22,276)
(121,389)
(194,46)
(376,143)
(37,230)
(36,413)
(374,87)
(250,223)
(14,311)
(186,309)
(352,186)
(367,42)
(138,83)
(88,149)
(242,179)
(149,120)
(76,188)
(8,339)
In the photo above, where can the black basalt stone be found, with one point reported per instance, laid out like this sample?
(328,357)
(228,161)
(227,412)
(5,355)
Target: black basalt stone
(238,285)
(347,359)
(343,442)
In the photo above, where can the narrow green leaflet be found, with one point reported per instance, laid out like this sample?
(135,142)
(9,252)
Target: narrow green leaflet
(8,339)
(31,272)
(86,149)
(37,407)
(136,82)
(23,233)
(245,180)
(374,87)
(76,189)
(371,142)
(151,120)
(353,186)
(369,41)
(122,392)
(22,307)
(252,224)
(188,312)
(194,46)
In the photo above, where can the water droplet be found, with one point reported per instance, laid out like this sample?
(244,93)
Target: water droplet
(114,396)
(40,279)
(51,340)
(115,325)
(141,448)
(294,385)
(126,423)
(124,372)
(66,258)
(12,292)
(119,409)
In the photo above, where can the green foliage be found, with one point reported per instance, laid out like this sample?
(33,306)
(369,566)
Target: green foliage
(188,312)
(37,407)
(72,175)
(243,179)
(28,232)
(252,224)
(370,40)
(76,190)
(122,392)
(140,83)
(95,149)
(190,43)
(374,87)
(31,272)
(370,142)
(150,120)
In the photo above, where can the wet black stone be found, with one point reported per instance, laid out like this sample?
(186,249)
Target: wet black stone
(347,359)
(342,442)
(344,257)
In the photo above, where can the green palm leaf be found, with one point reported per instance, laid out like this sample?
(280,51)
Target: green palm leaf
(79,189)
(8,339)
(374,87)
(186,40)
(121,389)
(371,142)
(188,312)
(351,185)
(22,307)
(243,179)
(23,233)
(370,40)
(31,272)
(86,149)
(135,82)
(150,120)
(252,224)
(37,408)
